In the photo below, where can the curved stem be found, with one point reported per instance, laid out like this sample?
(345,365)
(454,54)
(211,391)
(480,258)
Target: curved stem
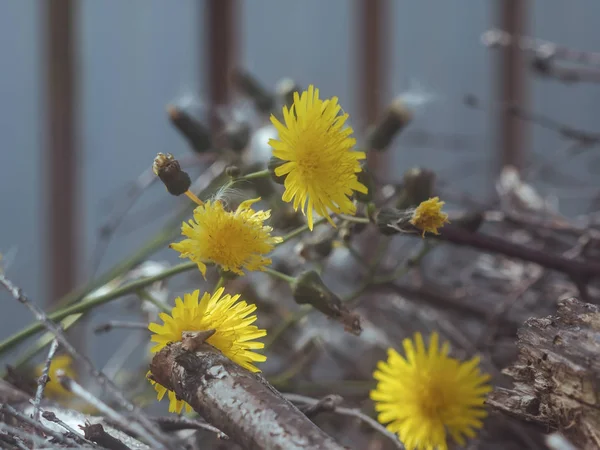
(92,302)
(282,276)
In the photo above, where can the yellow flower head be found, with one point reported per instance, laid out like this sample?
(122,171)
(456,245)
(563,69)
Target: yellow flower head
(427,394)
(54,389)
(234,336)
(235,240)
(320,166)
(428,216)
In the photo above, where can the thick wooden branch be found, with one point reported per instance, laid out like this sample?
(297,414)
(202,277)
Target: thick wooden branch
(557,374)
(577,269)
(241,404)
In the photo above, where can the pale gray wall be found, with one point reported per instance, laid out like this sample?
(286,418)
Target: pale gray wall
(138,55)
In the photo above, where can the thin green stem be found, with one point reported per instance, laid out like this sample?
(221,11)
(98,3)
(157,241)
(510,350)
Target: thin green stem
(354,219)
(282,276)
(220,283)
(92,302)
(145,295)
(254,175)
(301,229)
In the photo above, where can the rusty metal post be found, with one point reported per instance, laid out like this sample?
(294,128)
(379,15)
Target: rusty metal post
(513,85)
(220,23)
(60,156)
(372,26)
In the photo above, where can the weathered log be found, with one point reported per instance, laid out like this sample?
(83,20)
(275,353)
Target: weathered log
(557,374)
(241,404)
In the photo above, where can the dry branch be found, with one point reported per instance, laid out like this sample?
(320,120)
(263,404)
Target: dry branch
(557,374)
(241,404)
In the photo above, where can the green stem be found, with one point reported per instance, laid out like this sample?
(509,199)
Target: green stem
(354,218)
(254,175)
(282,276)
(90,303)
(220,283)
(301,229)
(145,295)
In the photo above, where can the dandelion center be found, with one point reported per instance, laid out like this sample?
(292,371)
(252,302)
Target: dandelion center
(235,240)
(426,395)
(319,165)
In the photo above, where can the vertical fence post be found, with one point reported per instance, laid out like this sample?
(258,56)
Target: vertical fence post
(512,84)
(372,65)
(60,155)
(221,47)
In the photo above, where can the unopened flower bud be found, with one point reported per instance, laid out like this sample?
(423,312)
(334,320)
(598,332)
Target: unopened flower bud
(392,221)
(167,168)
(233,171)
(237,136)
(274,163)
(193,130)
(418,185)
(308,288)
(396,117)
(249,86)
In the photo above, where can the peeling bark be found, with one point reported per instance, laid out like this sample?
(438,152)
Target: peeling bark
(241,404)
(557,374)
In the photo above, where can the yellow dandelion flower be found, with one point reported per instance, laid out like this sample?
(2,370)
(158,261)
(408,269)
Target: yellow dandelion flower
(235,336)
(320,167)
(235,240)
(428,216)
(54,389)
(427,394)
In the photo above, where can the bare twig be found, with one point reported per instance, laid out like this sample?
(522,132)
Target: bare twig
(51,417)
(150,434)
(248,409)
(185,423)
(95,432)
(24,436)
(43,380)
(330,403)
(132,426)
(576,269)
(37,425)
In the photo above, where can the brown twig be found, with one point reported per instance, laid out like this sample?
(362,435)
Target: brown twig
(150,433)
(331,402)
(37,425)
(248,409)
(51,417)
(185,423)
(132,427)
(43,380)
(574,268)
(95,432)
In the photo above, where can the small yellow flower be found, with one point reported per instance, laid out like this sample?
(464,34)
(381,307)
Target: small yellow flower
(235,336)
(428,216)
(320,167)
(235,240)
(427,394)
(54,389)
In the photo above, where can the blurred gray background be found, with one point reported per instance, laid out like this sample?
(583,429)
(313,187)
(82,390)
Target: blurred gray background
(132,58)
